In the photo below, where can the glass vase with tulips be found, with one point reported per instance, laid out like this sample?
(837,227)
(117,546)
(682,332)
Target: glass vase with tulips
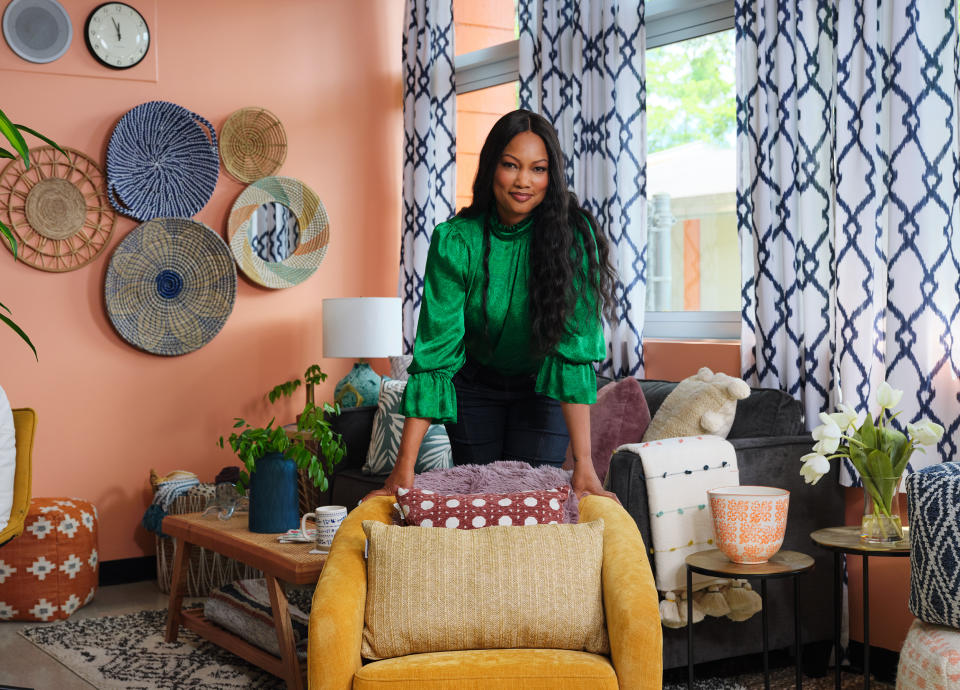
(878,451)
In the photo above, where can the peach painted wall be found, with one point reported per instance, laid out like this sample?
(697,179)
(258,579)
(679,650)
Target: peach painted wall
(108,413)
(675,360)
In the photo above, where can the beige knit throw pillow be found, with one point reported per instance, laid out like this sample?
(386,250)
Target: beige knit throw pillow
(431,589)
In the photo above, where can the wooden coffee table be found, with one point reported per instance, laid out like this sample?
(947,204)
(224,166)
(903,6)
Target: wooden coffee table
(289,562)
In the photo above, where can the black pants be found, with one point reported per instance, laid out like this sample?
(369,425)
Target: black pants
(502,418)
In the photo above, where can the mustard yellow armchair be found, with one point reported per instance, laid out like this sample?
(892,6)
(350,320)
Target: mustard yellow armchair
(630,606)
(25,423)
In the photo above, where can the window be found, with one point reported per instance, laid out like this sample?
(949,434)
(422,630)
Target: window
(693,249)
(486,71)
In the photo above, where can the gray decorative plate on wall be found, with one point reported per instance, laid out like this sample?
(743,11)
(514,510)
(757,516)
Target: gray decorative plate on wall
(37,30)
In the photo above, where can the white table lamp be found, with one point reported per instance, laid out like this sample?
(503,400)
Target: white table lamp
(361,327)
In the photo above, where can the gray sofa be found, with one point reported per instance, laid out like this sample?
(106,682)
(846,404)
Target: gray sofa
(768,436)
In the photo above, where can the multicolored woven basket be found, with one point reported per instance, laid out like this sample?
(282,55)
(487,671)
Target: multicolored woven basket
(314,231)
(161,161)
(170,286)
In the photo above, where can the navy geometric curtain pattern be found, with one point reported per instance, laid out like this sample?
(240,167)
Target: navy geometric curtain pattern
(582,68)
(848,214)
(429,144)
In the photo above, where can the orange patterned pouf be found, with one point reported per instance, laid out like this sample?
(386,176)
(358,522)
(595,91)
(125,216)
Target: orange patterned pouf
(930,658)
(50,570)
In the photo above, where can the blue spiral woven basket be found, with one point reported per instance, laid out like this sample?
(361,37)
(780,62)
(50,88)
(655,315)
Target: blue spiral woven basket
(162,160)
(170,286)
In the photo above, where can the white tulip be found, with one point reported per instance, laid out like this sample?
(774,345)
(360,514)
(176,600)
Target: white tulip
(887,396)
(845,417)
(814,467)
(925,432)
(827,434)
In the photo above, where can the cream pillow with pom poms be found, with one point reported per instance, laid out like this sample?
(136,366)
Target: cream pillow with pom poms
(701,404)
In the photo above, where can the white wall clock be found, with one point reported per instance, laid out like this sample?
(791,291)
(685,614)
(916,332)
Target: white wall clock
(37,30)
(117,35)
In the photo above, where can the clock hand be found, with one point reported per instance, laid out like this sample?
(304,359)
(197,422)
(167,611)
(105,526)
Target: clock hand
(117,27)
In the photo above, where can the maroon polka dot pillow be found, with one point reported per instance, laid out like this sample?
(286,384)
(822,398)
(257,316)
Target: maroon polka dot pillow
(425,508)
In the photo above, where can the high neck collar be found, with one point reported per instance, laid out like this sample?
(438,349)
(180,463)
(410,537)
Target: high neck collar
(507,231)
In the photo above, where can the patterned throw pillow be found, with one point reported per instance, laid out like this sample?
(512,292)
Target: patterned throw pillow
(433,590)
(424,508)
(435,450)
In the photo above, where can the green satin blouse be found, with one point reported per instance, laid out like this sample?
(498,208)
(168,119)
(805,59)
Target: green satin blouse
(451,322)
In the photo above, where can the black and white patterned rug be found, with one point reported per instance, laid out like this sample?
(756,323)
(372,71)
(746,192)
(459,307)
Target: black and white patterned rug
(128,653)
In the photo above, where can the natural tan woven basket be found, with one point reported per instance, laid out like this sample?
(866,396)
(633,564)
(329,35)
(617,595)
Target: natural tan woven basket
(253,144)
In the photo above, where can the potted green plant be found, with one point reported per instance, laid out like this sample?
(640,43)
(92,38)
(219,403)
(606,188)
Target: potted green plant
(313,376)
(271,457)
(11,133)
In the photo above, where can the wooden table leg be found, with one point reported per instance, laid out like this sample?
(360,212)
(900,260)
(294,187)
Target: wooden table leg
(281,621)
(177,586)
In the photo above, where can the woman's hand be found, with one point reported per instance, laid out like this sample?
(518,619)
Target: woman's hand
(585,481)
(414,429)
(399,479)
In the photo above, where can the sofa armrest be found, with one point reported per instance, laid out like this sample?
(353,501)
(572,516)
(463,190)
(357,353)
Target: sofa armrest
(336,617)
(629,597)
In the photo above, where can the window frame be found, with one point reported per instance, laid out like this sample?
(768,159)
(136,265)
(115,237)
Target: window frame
(668,21)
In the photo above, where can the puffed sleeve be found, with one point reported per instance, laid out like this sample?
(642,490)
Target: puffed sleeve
(438,351)
(567,374)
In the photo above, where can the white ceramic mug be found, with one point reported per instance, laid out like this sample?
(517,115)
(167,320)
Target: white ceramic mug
(328,519)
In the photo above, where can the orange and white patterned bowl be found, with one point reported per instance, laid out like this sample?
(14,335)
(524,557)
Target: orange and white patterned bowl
(749,521)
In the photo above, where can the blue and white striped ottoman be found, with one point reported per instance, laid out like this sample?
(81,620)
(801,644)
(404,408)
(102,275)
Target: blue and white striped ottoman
(934,498)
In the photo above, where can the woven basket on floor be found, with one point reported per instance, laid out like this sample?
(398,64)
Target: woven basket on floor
(206,570)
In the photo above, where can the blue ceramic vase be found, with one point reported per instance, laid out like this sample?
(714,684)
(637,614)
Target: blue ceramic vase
(273,495)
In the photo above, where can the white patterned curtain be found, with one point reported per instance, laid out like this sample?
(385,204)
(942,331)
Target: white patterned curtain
(848,213)
(582,68)
(429,144)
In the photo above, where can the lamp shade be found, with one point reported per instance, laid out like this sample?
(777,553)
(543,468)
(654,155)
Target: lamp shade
(362,327)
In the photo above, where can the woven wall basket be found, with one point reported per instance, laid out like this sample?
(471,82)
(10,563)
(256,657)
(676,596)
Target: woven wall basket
(161,161)
(253,144)
(314,231)
(170,286)
(57,209)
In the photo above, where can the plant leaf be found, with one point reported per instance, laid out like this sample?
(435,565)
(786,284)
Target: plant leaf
(8,235)
(10,131)
(40,136)
(19,331)
(5,154)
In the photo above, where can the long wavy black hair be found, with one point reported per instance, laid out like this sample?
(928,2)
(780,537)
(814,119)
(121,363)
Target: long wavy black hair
(556,257)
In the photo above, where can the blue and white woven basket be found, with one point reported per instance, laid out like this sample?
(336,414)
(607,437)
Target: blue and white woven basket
(162,160)
(170,286)
(933,494)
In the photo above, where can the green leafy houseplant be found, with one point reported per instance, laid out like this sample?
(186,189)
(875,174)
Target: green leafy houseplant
(11,133)
(313,424)
(313,376)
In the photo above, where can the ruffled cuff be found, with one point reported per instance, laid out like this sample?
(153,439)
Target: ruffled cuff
(567,381)
(430,395)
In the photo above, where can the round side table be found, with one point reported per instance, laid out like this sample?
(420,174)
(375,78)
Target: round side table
(847,540)
(782,564)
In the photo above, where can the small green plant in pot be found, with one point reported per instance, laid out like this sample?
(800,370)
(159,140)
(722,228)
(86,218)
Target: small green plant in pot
(271,458)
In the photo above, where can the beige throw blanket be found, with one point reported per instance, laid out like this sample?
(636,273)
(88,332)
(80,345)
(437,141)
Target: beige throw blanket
(678,473)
